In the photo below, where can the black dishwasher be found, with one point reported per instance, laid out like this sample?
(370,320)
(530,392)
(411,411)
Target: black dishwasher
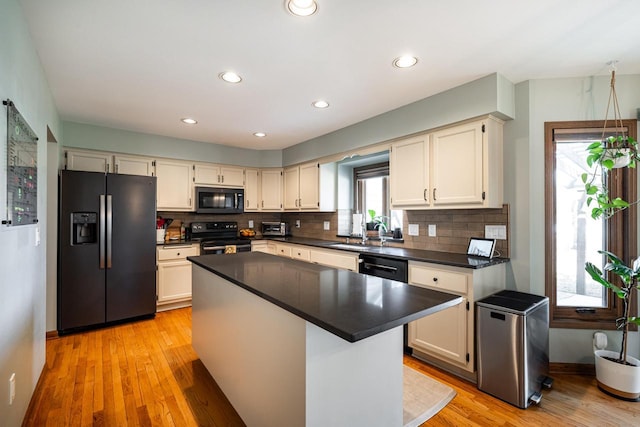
(387,268)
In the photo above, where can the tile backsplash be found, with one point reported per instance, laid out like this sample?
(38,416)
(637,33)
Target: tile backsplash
(454,227)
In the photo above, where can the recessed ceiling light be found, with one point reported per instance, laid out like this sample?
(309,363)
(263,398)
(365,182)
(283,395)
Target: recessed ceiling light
(260,134)
(405,61)
(230,77)
(302,7)
(320,104)
(189,121)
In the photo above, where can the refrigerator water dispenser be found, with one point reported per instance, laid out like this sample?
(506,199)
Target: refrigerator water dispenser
(84,228)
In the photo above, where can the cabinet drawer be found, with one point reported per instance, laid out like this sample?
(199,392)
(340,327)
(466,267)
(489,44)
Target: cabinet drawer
(283,250)
(300,253)
(181,252)
(440,279)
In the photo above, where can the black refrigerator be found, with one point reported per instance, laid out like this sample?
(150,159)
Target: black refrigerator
(107,247)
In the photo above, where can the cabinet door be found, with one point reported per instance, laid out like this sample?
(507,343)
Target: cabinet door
(231,176)
(271,189)
(409,172)
(309,189)
(174,281)
(260,246)
(207,174)
(133,165)
(457,166)
(336,259)
(88,161)
(252,190)
(175,185)
(291,188)
(442,334)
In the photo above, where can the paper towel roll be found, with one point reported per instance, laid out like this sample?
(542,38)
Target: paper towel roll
(356,224)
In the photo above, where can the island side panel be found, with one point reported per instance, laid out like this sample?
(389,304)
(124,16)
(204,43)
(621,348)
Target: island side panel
(254,350)
(354,384)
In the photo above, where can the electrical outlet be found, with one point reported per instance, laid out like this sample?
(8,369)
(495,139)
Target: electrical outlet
(327,225)
(12,388)
(250,223)
(297,223)
(432,230)
(414,229)
(498,232)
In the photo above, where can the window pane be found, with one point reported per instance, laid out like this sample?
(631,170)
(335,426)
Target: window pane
(373,193)
(578,236)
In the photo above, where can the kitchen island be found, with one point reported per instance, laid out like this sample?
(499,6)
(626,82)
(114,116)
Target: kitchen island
(292,343)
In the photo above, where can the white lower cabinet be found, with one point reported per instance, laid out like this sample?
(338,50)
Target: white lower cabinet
(336,259)
(174,275)
(449,335)
(330,257)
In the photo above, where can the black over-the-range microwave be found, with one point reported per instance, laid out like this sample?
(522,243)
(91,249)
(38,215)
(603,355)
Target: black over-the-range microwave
(213,200)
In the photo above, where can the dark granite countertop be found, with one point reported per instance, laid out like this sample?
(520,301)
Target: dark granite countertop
(350,305)
(177,242)
(435,257)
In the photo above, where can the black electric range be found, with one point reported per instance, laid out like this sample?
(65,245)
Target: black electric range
(219,237)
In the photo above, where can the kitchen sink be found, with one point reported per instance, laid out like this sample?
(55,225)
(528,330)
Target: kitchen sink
(351,246)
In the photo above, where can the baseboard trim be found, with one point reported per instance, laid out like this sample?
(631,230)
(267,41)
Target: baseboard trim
(51,335)
(572,368)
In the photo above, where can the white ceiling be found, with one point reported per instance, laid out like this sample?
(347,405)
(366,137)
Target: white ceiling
(142,65)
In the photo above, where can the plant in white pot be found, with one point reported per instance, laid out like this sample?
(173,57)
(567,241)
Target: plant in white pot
(619,373)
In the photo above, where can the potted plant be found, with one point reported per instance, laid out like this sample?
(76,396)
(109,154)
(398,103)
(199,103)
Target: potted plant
(615,152)
(379,222)
(619,373)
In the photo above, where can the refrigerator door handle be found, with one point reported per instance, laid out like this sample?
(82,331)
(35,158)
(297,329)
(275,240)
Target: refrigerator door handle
(102,230)
(109,228)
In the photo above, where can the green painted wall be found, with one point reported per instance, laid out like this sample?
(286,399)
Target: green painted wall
(92,137)
(540,101)
(23,265)
(492,94)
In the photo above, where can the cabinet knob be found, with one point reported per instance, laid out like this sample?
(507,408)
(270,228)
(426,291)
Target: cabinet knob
(178,253)
(435,279)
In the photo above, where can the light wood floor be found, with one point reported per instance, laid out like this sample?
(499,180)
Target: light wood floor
(146,373)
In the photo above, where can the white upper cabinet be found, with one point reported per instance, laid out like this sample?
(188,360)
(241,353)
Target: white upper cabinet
(309,190)
(252,190)
(409,172)
(291,181)
(271,189)
(311,187)
(175,185)
(133,165)
(89,161)
(456,167)
(219,175)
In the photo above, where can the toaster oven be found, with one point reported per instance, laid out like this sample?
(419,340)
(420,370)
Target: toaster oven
(273,228)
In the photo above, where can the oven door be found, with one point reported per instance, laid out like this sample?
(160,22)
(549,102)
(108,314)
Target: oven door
(217,248)
(219,200)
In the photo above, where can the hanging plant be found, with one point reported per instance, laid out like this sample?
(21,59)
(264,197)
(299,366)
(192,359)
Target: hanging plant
(609,153)
(603,156)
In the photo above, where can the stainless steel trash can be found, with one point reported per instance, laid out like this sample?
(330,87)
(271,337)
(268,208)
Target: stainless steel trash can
(513,346)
